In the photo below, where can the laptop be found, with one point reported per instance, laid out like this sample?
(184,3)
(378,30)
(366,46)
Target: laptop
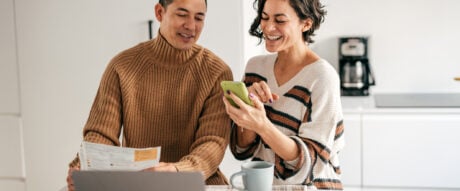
(137,181)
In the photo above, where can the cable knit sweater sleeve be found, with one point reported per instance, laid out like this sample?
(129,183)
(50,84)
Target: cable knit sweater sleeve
(212,135)
(105,119)
(106,128)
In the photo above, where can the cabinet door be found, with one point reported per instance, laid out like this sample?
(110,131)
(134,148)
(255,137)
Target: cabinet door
(411,150)
(12,185)
(64,47)
(350,157)
(9,90)
(11,160)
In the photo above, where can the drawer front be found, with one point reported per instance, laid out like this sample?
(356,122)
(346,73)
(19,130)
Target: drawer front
(9,88)
(350,156)
(11,162)
(12,185)
(411,150)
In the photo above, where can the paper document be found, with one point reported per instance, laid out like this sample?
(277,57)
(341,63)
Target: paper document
(95,156)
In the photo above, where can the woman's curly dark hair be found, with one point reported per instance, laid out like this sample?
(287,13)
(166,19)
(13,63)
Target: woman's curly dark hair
(312,9)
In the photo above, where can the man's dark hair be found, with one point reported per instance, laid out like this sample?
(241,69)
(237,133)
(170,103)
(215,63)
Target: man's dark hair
(165,3)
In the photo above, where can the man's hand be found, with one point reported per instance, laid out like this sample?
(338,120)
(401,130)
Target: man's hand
(163,167)
(70,186)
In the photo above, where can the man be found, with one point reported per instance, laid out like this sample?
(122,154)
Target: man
(166,92)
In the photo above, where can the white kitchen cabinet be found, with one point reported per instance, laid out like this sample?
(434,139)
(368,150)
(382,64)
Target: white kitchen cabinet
(9,89)
(11,160)
(411,150)
(64,47)
(350,157)
(12,185)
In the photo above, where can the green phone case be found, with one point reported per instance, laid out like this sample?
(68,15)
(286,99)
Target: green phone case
(237,88)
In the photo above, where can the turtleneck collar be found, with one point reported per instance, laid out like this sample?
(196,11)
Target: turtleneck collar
(167,54)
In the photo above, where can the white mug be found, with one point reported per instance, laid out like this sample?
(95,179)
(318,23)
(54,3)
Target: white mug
(257,176)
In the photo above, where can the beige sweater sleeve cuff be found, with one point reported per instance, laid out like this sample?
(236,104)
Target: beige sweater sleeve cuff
(184,166)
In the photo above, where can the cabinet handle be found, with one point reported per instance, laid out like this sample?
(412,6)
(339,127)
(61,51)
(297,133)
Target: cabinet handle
(457,78)
(150,29)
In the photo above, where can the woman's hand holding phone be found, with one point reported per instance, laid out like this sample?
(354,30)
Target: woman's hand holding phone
(253,118)
(237,88)
(259,89)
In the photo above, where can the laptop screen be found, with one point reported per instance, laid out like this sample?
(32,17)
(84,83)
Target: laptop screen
(137,181)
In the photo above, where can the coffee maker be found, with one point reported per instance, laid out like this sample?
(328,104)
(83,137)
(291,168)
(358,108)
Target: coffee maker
(355,71)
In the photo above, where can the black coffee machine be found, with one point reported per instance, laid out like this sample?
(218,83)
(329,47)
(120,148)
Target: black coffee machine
(355,71)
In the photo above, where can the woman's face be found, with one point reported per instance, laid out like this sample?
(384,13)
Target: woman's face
(281,27)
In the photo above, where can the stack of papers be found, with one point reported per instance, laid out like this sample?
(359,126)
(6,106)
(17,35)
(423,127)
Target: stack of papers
(95,156)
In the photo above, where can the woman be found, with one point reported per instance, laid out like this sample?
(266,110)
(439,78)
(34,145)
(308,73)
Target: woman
(296,121)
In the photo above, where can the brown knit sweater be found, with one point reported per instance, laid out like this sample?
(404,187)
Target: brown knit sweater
(166,97)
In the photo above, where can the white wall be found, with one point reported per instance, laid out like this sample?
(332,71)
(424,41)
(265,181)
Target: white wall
(222,33)
(414,43)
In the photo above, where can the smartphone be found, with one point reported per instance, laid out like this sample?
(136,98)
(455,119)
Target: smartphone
(237,88)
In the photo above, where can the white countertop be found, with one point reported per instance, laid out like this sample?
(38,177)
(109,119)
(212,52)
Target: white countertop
(393,189)
(366,104)
(299,188)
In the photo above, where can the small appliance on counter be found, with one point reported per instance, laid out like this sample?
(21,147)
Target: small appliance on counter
(355,71)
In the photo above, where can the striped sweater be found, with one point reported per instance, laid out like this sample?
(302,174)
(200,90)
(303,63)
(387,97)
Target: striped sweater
(309,111)
(161,96)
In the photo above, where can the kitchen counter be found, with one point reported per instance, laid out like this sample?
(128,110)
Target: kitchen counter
(366,104)
(299,188)
(393,189)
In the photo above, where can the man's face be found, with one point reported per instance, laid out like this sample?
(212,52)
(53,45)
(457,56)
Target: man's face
(181,22)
